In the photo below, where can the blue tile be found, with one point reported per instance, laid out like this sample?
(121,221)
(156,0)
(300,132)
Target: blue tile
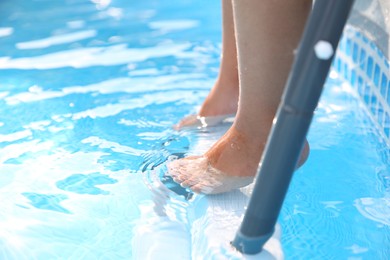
(346,71)
(348,47)
(358,34)
(372,45)
(384,85)
(355,51)
(387,124)
(380,114)
(379,52)
(360,85)
(338,65)
(353,78)
(362,59)
(377,72)
(367,94)
(369,67)
(365,39)
(341,67)
(388,93)
(373,105)
(342,44)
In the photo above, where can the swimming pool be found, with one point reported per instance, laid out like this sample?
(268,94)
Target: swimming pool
(89,91)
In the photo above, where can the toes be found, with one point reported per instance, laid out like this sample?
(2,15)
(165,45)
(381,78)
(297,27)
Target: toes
(197,189)
(188,183)
(202,189)
(177,180)
(175,168)
(180,178)
(195,173)
(183,167)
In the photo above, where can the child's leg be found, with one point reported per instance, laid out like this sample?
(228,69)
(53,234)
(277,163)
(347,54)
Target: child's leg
(267,33)
(223,97)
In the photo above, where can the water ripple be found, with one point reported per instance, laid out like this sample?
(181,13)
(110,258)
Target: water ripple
(57,39)
(155,160)
(85,183)
(376,209)
(173,25)
(111,86)
(46,201)
(95,56)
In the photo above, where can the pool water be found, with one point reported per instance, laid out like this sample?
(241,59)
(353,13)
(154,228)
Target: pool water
(89,91)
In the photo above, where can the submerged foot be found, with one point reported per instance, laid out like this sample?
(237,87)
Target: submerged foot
(230,164)
(197,174)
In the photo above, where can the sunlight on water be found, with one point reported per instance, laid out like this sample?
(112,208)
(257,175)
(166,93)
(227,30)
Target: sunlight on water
(6,31)
(93,56)
(55,40)
(170,26)
(72,142)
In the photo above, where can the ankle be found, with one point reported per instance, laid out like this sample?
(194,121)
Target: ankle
(222,100)
(256,130)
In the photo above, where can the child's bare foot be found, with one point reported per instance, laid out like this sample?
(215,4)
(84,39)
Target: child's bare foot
(221,103)
(230,164)
(222,99)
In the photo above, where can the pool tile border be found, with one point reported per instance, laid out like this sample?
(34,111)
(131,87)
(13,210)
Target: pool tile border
(364,66)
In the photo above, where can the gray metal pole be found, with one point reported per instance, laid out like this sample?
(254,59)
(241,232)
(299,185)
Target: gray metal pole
(303,90)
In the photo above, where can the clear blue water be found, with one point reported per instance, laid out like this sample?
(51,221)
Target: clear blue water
(89,91)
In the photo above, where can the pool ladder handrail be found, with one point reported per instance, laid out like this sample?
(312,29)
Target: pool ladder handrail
(292,121)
